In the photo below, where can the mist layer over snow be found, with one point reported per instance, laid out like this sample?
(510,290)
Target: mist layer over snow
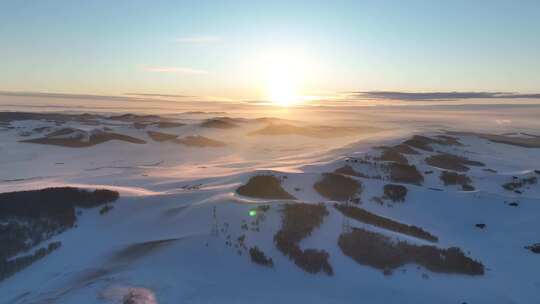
(159,245)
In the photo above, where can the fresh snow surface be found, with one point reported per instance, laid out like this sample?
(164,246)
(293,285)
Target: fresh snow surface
(169,191)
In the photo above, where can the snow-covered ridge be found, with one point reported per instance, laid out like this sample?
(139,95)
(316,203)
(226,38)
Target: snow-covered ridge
(161,240)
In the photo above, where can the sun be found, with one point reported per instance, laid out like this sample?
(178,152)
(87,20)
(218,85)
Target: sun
(282,91)
(283,78)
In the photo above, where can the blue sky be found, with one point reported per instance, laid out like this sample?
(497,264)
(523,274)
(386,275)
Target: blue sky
(216,48)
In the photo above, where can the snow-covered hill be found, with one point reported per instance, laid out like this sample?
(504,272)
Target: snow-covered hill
(181,231)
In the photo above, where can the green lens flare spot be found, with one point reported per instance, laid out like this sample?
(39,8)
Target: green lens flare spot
(252,212)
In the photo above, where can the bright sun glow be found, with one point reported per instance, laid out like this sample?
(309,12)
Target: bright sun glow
(283,77)
(282,92)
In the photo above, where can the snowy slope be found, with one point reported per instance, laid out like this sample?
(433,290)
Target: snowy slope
(157,240)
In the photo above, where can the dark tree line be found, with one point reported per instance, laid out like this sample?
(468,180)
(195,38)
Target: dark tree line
(348,170)
(381,252)
(425,143)
(31,217)
(452,162)
(396,193)
(392,155)
(10,267)
(453,178)
(257,256)
(535,248)
(338,187)
(402,173)
(298,221)
(517,183)
(386,223)
(264,186)
(17,235)
(57,203)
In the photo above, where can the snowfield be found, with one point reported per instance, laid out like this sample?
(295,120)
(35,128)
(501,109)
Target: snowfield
(180,233)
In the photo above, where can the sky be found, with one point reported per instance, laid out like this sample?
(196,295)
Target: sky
(257,50)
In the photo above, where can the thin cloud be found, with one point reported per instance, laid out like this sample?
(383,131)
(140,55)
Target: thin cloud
(178,70)
(129,97)
(438,96)
(256,102)
(159,95)
(198,39)
(70,96)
